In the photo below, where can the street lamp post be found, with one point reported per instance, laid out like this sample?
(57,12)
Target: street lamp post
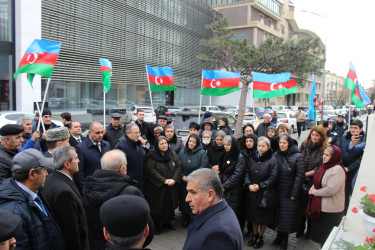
(324,54)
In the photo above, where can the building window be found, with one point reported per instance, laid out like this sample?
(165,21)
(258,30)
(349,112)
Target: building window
(269,22)
(260,17)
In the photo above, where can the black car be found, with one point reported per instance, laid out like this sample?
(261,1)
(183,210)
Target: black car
(168,111)
(183,119)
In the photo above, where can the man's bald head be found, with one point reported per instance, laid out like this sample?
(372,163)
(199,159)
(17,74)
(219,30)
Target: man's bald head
(113,160)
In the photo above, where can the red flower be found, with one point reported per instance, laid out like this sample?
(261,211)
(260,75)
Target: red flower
(363,189)
(373,230)
(371,239)
(367,239)
(371,197)
(354,210)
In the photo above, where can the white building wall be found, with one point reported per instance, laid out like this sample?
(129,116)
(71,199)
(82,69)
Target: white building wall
(28,19)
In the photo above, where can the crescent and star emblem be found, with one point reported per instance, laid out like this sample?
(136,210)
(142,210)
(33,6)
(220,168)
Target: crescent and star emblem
(30,56)
(214,83)
(156,80)
(276,87)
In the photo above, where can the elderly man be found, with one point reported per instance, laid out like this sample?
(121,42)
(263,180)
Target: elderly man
(214,224)
(125,230)
(48,124)
(104,184)
(114,130)
(262,127)
(65,200)
(89,153)
(55,138)
(29,138)
(11,140)
(75,134)
(133,149)
(19,195)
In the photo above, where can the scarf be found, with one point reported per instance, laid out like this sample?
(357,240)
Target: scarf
(315,203)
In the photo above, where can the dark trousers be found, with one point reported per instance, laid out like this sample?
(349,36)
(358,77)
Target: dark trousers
(299,127)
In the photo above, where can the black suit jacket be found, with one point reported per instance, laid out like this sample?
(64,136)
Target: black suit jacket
(73,142)
(66,202)
(89,160)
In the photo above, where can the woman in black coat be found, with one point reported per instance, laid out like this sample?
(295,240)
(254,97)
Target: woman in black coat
(206,140)
(232,168)
(215,150)
(174,143)
(289,186)
(247,129)
(223,125)
(260,174)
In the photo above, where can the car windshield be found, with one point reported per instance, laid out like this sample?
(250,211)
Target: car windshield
(281,115)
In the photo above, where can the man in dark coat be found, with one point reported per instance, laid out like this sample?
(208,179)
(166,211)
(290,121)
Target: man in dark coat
(133,149)
(143,126)
(262,127)
(89,153)
(104,184)
(75,134)
(214,224)
(11,140)
(352,144)
(65,200)
(19,195)
(56,137)
(125,222)
(341,126)
(48,124)
(114,130)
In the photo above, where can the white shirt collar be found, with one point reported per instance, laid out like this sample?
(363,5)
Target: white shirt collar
(27,190)
(65,174)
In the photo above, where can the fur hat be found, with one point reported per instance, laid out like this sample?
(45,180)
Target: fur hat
(57,134)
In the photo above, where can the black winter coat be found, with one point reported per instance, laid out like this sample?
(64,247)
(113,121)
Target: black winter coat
(192,159)
(261,170)
(312,157)
(213,153)
(38,231)
(113,135)
(289,184)
(100,187)
(175,144)
(6,158)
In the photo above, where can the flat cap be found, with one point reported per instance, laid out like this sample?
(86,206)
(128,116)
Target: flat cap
(9,225)
(29,159)
(46,112)
(125,215)
(162,117)
(11,129)
(115,115)
(323,124)
(57,134)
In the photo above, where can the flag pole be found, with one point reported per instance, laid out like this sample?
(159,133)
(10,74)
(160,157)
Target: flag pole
(40,113)
(349,106)
(44,101)
(200,102)
(103,107)
(149,89)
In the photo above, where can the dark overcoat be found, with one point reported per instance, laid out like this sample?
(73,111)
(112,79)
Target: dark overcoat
(66,202)
(89,160)
(213,153)
(289,184)
(215,228)
(156,172)
(261,170)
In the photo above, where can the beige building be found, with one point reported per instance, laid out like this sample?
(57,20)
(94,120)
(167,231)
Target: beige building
(336,93)
(257,20)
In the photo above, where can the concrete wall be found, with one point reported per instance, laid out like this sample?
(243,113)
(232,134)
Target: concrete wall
(236,15)
(27,28)
(366,177)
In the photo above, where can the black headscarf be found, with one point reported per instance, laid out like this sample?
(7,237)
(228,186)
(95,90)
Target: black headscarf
(250,151)
(156,153)
(290,144)
(233,153)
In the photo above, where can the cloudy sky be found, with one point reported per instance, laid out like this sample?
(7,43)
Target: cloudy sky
(350,35)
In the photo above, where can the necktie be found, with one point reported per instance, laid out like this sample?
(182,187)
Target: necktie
(40,203)
(98,147)
(79,140)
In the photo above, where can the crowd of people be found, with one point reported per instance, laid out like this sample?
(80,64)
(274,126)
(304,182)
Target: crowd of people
(65,188)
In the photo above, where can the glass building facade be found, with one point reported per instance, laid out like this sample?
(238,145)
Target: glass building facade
(131,34)
(6,55)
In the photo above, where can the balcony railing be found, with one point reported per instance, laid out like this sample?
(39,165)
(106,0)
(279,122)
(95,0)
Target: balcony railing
(273,5)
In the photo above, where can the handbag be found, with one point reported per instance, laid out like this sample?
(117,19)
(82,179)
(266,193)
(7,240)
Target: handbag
(270,198)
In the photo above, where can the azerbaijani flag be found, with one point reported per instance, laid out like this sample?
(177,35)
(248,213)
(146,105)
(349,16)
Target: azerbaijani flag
(273,85)
(359,97)
(39,59)
(218,83)
(311,116)
(106,69)
(160,78)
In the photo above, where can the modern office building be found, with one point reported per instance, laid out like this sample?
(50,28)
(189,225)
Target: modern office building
(257,20)
(131,34)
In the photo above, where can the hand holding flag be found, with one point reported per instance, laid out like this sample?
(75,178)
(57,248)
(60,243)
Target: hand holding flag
(39,59)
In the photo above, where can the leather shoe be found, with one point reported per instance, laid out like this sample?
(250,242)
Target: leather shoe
(258,243)
(253,240)
(278,240)
(170,226)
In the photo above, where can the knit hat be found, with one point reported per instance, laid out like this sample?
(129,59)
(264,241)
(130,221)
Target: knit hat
(46,112)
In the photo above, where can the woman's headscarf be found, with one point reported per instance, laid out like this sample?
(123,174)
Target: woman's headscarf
(288,139)
(315,203)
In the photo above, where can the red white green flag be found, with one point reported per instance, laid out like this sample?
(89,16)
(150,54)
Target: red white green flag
(273,85)
(218,82)
(160,78)
(106,69)
(39,59)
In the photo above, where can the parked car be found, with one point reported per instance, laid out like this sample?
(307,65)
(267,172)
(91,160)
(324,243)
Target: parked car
(251,118)
(228,109)
(184,118)
(168,111)
(329,115)
(149,114)
(11,117)
(288,119)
